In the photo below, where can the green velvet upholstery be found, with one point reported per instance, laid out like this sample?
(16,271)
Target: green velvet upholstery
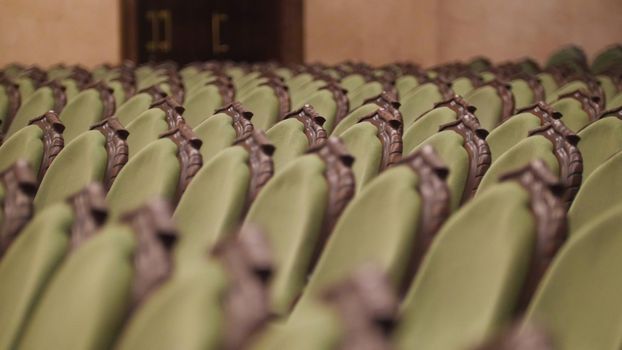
(184,313)
(118,92)
(26,88)
(531,148)
(37,104)
(299,93)
(607,59)
(363,144)
(548,83)
(324,104)
(462,86)
(26,269)
(80,113)
(406,83)
(511,132)
(573,116)
(289,139)
(151,173)
(599,141)
(247,82)
(4,104)
(608,86)
(567,88)
(615,102)
(449,147)
(88,317)
(264,104)
(202,104)
(152,79)
(217,133)
(468,283)
(418,101)
(71,88)
(368,90)
(213,204)
(145,129)
(290,210)
(578,301)
(25,144)
(133,107)
(352,82)
(196,82)
(354,117)
(489,106)
(426,126)
(80,163)
(599,192)
(523,94)
(487,76)
(566,55)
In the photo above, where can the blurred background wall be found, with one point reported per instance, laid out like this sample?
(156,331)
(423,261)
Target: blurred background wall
(376,31)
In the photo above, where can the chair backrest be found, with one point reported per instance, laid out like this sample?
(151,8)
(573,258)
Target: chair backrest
(600,140)
(269,102)
(383,100)
(10,101)
(331,102)
(50,96)
(494,103)
(423,99)
(93,104)
(205,100)
(578,109)
(527,90)
(485,263)
(137,104)
(359,95)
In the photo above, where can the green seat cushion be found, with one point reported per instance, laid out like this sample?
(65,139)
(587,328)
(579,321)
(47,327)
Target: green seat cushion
(80,163)
(145,129)
(354,117)
(202,104)
(531,148)
(359,95)
(449,146)
(548,83)
(213,203)
(511,132)
(599,192)
(324,104)
(184,313)
(25,144)
(28,266)
(419,101)
(151,173)
(468,283)
(599,141)
(217,133)
(264,104)
(426,126)
(37,104)
(133,107)
(567,88)
(573,115)
(489,106)
(290,209)
(523,94)
(83,111)
(578,300)
(289,139)
(363,144)
(87,300)
(383,221)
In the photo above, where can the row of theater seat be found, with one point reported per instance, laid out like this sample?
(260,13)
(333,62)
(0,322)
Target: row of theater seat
(222,205)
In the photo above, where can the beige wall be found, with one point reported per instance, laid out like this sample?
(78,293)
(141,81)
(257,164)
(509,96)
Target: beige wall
(46,32)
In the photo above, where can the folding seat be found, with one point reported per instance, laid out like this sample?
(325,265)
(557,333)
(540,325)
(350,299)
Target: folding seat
(50,96)
(220,131)
(494,103)
(96,155)
(461,145)
(552,143)
(269,102)
(518,126)
(202,103)
(299,131)
(220,194)
(527,90)
(600,140)
(578,301)
(422,99)
(407,203)
(607,60)
(577,108)
(331,102)
(485,263)
(357,312)
(220,304)
(137,104)
(383,100)
(34,257)
(297,209)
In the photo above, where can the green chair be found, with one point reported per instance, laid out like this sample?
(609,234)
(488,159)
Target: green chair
(18,185)
(549,82)
(609,86)
(52,236)
(384,100)
(615,102)
(578,300)
(600,140)
(219,196)
(331,102)
(117,270)
(163,169)
(527,90)
(137,104)
(358,96)
(552,143)
(461,145)
(50,96)
(494,103)
(407,204)
(423,99)
(582,82)
(10,101)
(221,304)
(299,91)
(202,103)
(220,131)
(577,108)
(295,134)
(405,83)
(517,127)
(376,144)
(269,102)
(297,209)
(607,60)
(572,56)
(485,263)
(123,82)
(95,156)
